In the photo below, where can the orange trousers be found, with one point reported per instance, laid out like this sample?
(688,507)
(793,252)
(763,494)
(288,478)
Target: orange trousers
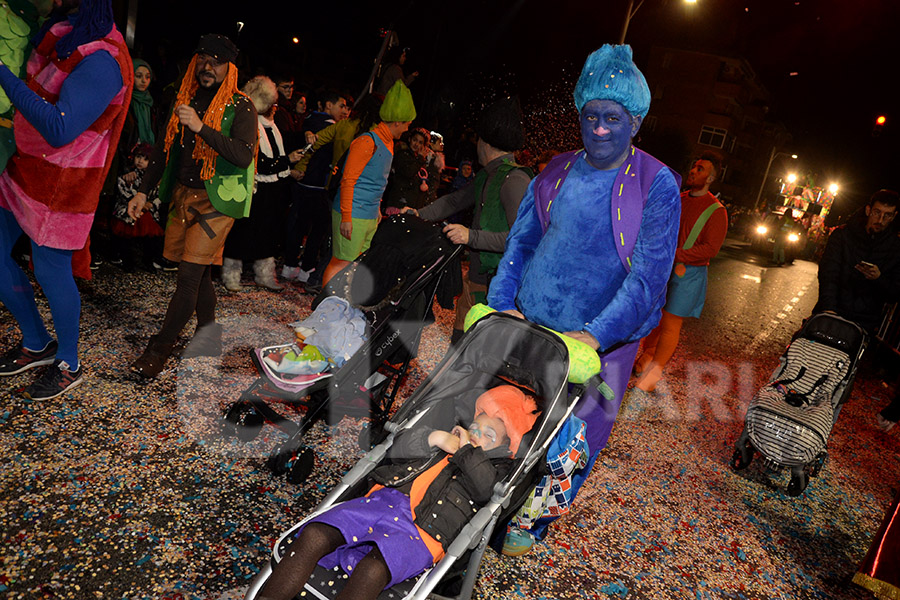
(657,350)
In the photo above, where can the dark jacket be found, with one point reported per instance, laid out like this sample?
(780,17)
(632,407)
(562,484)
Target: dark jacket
(320,164)
(458,491)
(845,290)
(404,187)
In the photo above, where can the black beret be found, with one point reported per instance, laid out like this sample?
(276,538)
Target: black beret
(217,46)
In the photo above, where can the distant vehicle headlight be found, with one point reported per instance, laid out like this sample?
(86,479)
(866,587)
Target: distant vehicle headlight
(762,230)
(793,237)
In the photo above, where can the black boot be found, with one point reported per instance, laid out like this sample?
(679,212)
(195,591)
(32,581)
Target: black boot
(151,362)
(207,341)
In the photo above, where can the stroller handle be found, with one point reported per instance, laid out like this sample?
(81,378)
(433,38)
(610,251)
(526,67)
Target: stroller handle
(584,362)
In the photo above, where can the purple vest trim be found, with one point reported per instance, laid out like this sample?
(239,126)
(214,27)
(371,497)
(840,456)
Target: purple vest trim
(630,190)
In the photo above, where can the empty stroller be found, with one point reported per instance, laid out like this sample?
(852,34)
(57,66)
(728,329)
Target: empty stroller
(498,350)
(394,285)
(790,418)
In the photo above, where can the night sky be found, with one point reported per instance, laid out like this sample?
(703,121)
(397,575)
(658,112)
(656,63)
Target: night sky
(829,64)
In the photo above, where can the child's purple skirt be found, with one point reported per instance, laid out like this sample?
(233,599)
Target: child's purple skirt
(384,519)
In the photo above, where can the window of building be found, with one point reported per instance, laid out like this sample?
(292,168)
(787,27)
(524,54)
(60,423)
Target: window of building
(712,136)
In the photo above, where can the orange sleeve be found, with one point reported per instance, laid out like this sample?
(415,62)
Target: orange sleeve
(358,156)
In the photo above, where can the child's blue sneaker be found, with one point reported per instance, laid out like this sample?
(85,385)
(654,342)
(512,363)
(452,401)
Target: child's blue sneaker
(517,542)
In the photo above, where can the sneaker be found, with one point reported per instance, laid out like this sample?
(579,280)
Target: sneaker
(56,381)
(164,264)
(303,276)
(884,424)
(290,273)
(21,359)
(95,264)
(517,542)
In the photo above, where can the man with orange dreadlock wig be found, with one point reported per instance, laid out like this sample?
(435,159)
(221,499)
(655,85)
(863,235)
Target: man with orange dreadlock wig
(69,115)
(204,165)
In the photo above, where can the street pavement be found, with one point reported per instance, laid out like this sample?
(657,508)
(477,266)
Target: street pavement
(123,489)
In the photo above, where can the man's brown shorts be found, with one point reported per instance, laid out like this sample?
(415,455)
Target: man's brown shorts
(195,231)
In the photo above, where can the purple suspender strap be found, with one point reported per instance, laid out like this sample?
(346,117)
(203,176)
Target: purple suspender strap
(630,191)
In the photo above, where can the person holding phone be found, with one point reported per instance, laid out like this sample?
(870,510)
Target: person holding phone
(860,272)
(860,268)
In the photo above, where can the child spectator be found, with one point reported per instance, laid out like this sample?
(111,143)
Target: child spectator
(445,477)
(464,175)
(123,227)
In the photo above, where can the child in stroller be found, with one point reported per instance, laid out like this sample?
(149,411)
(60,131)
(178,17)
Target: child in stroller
(420,502)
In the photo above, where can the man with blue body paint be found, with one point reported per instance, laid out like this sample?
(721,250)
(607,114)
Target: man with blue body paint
(592,247)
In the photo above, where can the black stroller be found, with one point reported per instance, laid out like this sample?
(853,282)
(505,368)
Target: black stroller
(499,349)
(790,419)
(394,284)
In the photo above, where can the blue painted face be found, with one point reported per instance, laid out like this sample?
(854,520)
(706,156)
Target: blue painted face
(606,130)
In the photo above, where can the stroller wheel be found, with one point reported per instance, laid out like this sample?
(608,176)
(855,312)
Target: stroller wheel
(813,468)
(371,435)
(741,458)
(301,466)
(244,420)
(280,460)
(798,483)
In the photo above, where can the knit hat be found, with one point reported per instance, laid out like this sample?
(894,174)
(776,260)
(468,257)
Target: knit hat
(217,46)
(610,74)
(398,105)
(509,404)
(500,124)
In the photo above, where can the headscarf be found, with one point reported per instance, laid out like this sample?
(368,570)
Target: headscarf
(509,404)
(141,103)
(609,73)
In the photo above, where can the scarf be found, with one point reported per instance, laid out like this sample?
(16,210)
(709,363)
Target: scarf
(141,103)
(265,147)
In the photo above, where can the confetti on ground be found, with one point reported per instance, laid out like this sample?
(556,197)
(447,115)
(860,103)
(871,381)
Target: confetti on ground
(124,489)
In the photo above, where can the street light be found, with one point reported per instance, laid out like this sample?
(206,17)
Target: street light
(772,156)
(792,177)
(833,189)
(632,10)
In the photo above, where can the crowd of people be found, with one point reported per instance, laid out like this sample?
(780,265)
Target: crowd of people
(256,172)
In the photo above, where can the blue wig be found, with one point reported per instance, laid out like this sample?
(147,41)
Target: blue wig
(93,21)
(610,74)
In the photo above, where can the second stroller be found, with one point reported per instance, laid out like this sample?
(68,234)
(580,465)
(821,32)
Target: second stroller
(790,419)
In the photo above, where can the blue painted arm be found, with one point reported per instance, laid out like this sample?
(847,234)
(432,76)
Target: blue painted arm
(85,94)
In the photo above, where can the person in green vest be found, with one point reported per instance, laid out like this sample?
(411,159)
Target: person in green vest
(704,224)
(495,195)
(204,165)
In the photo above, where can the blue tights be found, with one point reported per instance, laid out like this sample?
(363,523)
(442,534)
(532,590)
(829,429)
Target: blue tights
(53,271)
